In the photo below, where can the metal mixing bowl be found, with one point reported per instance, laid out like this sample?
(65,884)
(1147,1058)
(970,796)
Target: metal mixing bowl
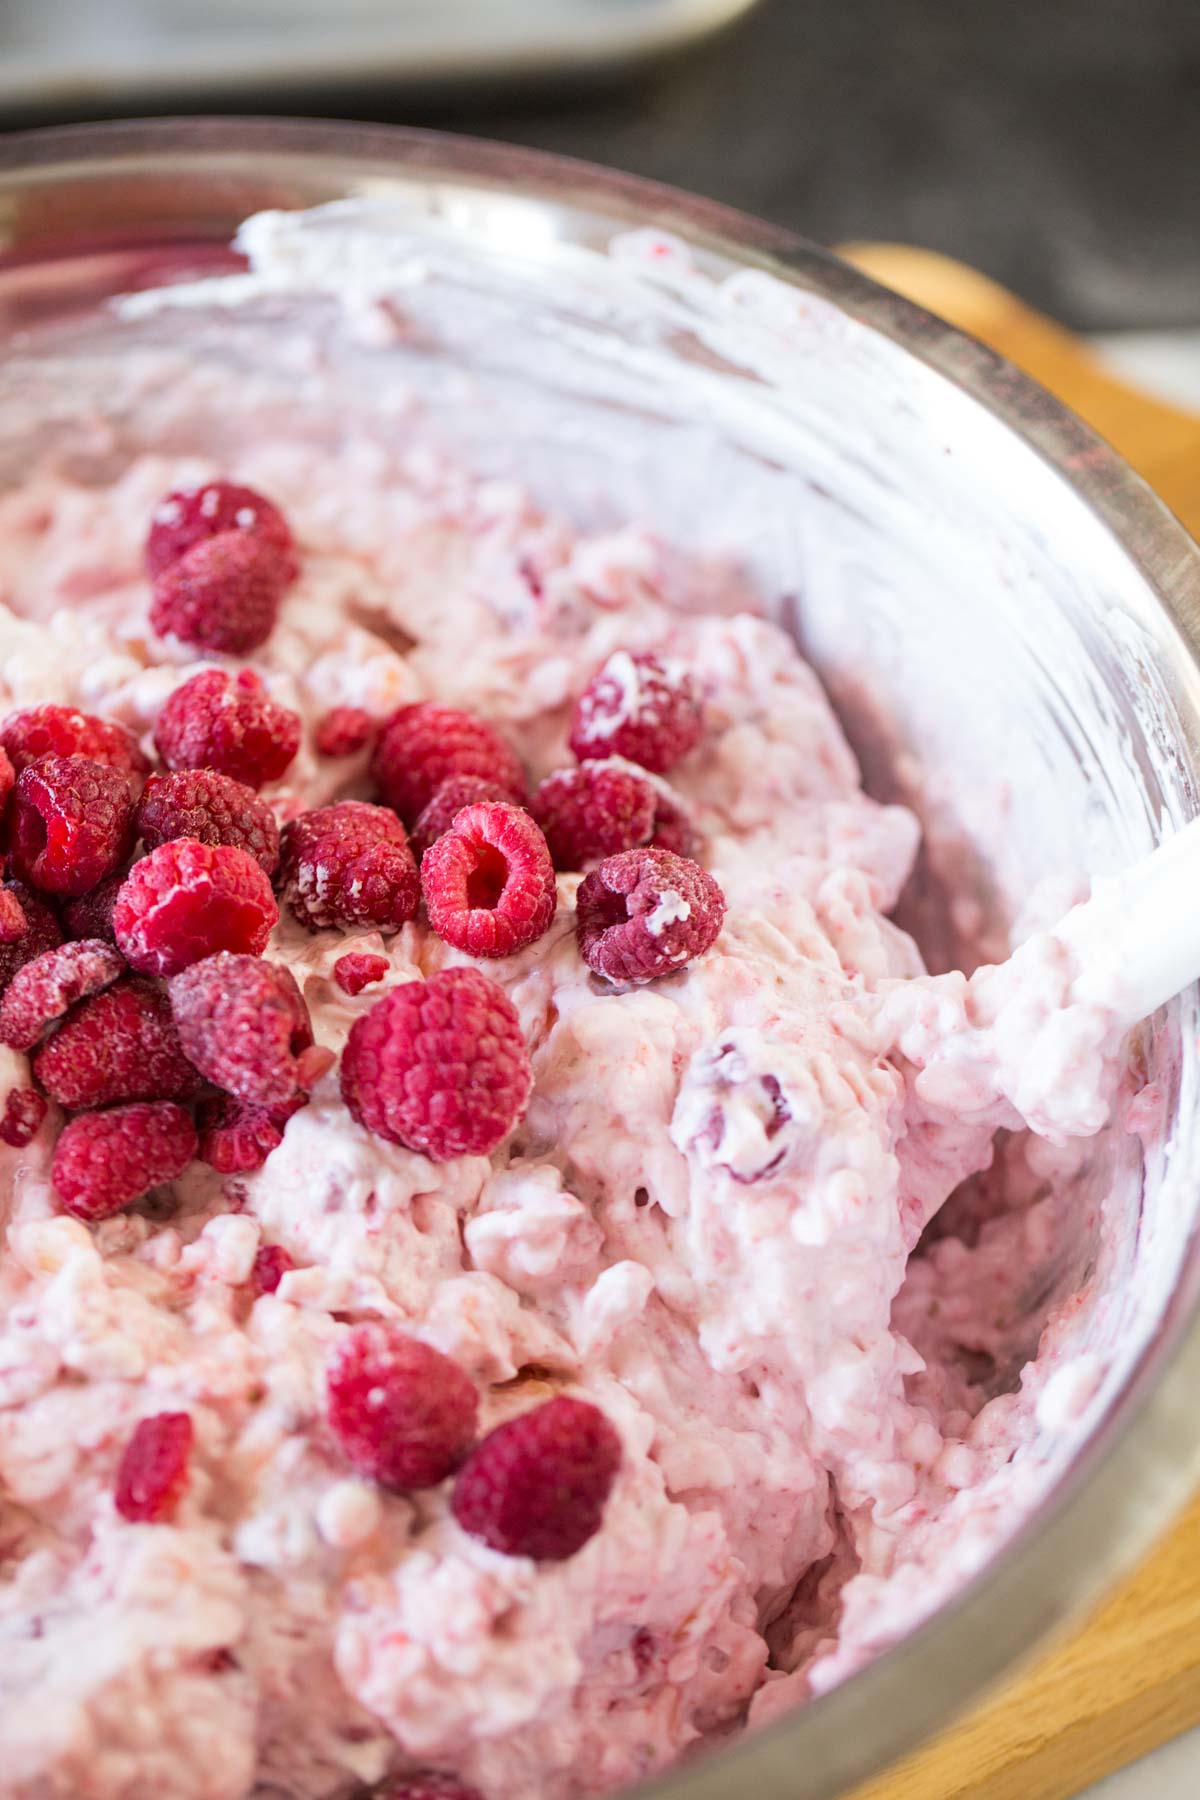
(1003,612)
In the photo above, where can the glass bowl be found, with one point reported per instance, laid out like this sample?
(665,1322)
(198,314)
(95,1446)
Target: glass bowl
(1004,614)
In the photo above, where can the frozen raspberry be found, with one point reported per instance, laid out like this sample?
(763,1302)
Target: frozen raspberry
(190,515)
(91,915)
(213,809)
(488,882)
(437,818)
(422,746)
(439,1066)
(153,1474)
(348,865)
(50,985)
(24,1111)
(186,901)
(429,1784)
(271,1264)
(236,1136)
(37,732)
(672,827)
(404,1414)
(645,913)
(636,707)
(358,970)
(120,1045)
(593,811)
(228,723)
(243,1023)
(344,731)
(70,824)
(105,1160)
(222,595)
(14,922)
(7,777)
(537,1485)
(42,931)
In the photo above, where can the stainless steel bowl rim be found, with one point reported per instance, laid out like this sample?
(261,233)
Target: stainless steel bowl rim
(1143,1461)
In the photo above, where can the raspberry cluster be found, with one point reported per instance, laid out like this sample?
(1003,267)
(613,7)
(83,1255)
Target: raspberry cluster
(220,558)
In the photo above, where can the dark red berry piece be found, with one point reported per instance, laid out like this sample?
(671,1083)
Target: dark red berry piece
(593,811)
(153,1474)
(645,913)
(404,1414)
(236,1136)
(359,970)
(429,1784)
(49,986)
(222,595)
(447,803)
(120,1045)
(90,916)
(14,922)
(423,745)
(243,1023)
(343,731)
(639,708)
(537,1485)
(189,515)
(42,931)
(105,1160)
(488,883)
(8,776)
(37,732)
(186,901)
(228,723)
(348,864)
(271,1264)
(213,809)
(439,1066)
(672,827)
(24,1110)
(70,824)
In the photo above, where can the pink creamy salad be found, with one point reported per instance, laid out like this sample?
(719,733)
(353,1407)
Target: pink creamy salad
(757,1212)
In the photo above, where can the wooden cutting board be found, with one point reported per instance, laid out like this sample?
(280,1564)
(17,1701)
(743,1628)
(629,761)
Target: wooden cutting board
(1130,1678)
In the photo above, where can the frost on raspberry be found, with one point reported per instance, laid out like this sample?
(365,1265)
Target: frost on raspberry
(646,913)
(120,1045)
(421,746)
(244,1024)
(14,922)
(190,515)
(186,900)
(213,809)
(427,1784)
(237,1136)
(153,1474)
(439,1066)
(404,1414)
(46,988)
(222,594)
(343,731)
(70,824)
(449,800)
(593,811)
(358,970)
(348,864)
(228,723)
(488,883)
(24,1110)
(37,732)
(103,1161)
(538,1484)
(42,931)
(638,707)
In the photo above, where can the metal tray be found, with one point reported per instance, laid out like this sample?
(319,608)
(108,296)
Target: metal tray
(82,53)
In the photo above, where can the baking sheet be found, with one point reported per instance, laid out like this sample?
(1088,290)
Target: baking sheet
(62,53)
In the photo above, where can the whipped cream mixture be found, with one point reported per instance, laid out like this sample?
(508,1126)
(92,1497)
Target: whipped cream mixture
(757,1211)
